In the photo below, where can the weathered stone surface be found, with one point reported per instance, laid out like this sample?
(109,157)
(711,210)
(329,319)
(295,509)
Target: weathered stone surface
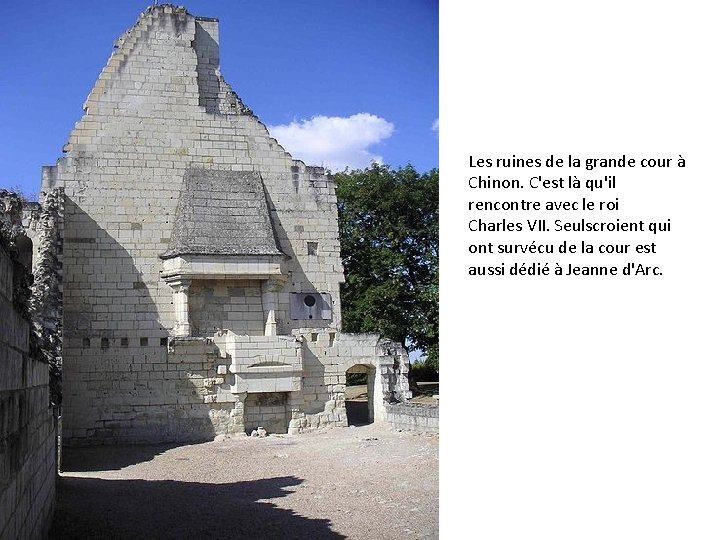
(222,213)
(190,237)
(414,417)
(28,435)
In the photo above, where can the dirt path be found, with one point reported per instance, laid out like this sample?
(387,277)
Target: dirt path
(364,482)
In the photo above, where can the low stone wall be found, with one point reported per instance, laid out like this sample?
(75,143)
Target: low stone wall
(413,416)
(228,385)
(182,400)
(27,426)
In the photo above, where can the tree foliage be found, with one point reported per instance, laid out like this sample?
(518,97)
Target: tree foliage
(389,245)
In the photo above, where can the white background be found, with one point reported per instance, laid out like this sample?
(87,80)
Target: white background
(580,407)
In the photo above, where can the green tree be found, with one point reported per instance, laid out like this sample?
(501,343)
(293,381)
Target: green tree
(389,245)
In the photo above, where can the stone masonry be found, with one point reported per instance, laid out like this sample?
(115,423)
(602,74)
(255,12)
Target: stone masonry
(201,262)
(27,424)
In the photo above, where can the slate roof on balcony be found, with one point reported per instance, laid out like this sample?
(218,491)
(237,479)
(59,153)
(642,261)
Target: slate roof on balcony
(222,213)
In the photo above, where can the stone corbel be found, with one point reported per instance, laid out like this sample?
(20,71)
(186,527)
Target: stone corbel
(181,289)
(270,290)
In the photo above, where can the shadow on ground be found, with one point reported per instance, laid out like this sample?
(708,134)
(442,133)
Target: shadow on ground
(97,458)
(91,508)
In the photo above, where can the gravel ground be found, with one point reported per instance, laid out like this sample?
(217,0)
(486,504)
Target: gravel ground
(366,482)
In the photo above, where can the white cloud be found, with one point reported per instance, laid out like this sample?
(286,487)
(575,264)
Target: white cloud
(436,125)
(334,142)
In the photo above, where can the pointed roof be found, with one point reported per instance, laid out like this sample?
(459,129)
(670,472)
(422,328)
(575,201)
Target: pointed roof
(222,213)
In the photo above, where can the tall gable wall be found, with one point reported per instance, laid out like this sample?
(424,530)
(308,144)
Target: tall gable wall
(159,109)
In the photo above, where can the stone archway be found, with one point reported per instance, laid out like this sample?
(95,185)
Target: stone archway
(360,394)
(386,366)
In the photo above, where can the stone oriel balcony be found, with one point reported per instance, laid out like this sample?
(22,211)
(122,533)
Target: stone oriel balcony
(261,363)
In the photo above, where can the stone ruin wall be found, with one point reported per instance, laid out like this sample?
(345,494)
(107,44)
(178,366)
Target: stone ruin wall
(160,108)
(197,396)
(28,428)
(414,417)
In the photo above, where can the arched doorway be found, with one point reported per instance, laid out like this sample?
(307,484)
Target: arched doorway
(359,394)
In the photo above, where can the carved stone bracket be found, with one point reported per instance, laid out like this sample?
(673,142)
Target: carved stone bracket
(181,289)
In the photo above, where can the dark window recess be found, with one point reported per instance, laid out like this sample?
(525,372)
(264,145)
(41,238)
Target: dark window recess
(163,341)
(332,338)
(86,342)
(310,301)
(104,343)
(24,248)
(124,342)
(143,341)
(313,336)
(312,248)
(310,306)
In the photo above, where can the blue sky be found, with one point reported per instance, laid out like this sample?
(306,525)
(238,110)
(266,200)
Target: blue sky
(337,82)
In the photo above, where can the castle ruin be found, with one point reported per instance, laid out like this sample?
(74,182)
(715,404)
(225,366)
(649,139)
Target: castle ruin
(201,264)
